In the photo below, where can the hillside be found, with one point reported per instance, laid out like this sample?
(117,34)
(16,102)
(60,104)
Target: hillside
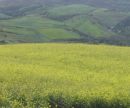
(64,75)
(100,21)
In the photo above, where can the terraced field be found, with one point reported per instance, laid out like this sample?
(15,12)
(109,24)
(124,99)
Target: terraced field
(64,76)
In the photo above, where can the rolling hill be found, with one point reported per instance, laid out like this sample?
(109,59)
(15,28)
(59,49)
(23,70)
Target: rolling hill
(88,21)
(53,68)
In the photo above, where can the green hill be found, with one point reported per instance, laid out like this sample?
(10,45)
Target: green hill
(64,21)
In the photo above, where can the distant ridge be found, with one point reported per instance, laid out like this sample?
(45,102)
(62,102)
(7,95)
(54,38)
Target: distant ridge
(90,21)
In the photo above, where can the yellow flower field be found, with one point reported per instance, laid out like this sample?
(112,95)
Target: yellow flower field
(64,76)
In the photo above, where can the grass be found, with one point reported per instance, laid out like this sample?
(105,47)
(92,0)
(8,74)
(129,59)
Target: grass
(37,22)
(72,21)
(88,26)
(33,21)
(64,76)
(70,10)
(3,16)
(36,29)
(53,33)
(109,18)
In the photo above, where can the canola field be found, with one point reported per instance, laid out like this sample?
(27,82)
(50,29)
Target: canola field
(59,75)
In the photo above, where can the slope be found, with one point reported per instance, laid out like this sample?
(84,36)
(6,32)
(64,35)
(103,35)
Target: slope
(64,21)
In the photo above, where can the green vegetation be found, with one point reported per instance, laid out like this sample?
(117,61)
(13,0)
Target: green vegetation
(3,16)
(64,76)
(37,28)
(75,21)
(89,26)
(110,18)
(51,33)
(70,10)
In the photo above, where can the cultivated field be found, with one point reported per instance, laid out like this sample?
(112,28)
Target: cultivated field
(64,76)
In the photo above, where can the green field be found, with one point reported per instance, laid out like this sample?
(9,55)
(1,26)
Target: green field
(64,76)
(75,22)
(70,10)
